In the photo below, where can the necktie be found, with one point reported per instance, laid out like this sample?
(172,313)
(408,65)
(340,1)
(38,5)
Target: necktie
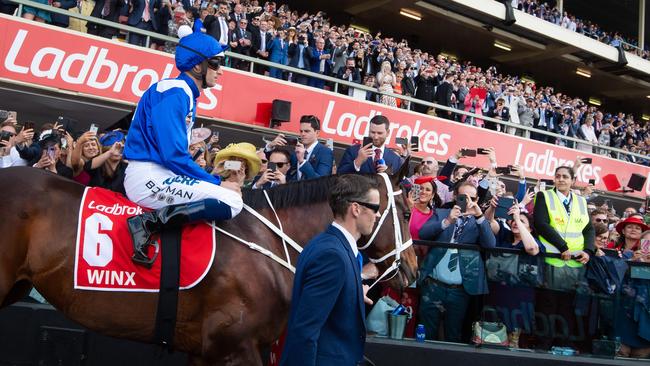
(360,260)
(453,262)
(566,205)
(145,15)
(377,154)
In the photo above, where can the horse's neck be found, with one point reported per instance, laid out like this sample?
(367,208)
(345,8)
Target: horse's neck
(303,223)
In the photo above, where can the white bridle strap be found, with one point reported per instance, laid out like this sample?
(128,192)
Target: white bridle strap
(274,228)
(400,246)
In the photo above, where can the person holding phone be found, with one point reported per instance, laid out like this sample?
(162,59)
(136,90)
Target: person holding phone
(449,276)
(373,157)
(107,170)
(160,165)
(237,163)
(50,147)
(276,173)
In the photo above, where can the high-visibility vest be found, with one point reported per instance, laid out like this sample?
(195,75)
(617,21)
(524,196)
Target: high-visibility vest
(568,226)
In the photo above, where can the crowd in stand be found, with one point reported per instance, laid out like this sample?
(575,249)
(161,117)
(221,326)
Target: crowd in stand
(455,204)
(590,29)
(310,42)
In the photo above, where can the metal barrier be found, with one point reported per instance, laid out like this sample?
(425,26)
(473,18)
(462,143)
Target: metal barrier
(334,81)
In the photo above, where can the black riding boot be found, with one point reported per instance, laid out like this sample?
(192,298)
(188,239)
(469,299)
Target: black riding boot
(143,226)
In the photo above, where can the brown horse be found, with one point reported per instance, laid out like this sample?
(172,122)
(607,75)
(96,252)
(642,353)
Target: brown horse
(241,305)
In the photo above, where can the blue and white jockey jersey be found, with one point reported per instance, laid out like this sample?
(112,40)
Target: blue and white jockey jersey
(161,128)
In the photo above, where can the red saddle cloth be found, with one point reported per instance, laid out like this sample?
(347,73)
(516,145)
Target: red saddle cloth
(104,248)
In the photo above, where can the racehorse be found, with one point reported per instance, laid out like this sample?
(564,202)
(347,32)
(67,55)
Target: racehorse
(241,305)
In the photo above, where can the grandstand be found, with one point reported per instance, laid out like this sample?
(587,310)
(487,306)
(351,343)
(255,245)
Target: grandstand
(592,74)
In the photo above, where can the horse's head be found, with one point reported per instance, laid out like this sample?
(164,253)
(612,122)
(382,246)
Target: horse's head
(390,246)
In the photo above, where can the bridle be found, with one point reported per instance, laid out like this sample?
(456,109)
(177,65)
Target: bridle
(390,208)
(400,246)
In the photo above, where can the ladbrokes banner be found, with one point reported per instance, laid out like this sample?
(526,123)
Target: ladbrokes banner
(53,57)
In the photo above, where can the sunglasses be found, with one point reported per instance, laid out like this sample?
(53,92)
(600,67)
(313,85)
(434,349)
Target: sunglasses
(372,206)
(428,162)
(280,165)
(214,63)
(264,161)
(601,220)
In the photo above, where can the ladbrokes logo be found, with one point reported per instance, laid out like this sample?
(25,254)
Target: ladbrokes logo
(97,68)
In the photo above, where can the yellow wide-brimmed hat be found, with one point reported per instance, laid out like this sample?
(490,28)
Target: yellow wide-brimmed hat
(242,150)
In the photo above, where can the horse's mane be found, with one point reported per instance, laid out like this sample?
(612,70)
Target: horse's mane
(292,194)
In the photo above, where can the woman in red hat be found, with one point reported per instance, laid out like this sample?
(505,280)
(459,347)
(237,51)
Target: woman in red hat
(630,231)
(422,208)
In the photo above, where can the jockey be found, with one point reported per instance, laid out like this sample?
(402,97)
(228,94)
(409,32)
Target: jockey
(161,174)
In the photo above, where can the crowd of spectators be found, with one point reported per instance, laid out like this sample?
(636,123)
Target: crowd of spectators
(588,28)
(455,204)
(311,42)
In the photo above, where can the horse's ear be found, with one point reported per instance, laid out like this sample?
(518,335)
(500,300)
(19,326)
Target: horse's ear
(402,173)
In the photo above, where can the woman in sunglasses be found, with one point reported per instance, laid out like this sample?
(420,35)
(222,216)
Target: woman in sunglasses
(162,174)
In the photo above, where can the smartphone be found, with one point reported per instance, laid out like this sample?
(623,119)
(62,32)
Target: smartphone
(482,151)
(29,125)
(503,206)
(233,165)
(461,201)
(93,128)
(51,152)
(468,152)
(503,170)
(609,204)
(366,140)
(415,143)
(291,140)
(586,160)
(542,186)
(417,189)
(330,143)
(401,141)
(197,154)
(272,166)
(493,183)
(645,245)
(592,182)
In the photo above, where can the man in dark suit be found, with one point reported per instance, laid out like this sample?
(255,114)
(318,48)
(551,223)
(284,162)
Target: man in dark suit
(326,322)
(108,10)
(500,112)
(300,57)
(321,63)
(448,277)
(311,159)
(372,158)
(261,40)
(443,95)
(243,42)
(348,72)
(142,16)
(217,25)
(59,19)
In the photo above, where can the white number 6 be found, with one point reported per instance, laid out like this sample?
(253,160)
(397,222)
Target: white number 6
(98,247)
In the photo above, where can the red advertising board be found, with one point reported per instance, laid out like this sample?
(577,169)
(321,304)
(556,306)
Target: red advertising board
(54,57)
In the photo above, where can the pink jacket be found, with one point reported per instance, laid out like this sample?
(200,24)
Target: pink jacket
(478,109)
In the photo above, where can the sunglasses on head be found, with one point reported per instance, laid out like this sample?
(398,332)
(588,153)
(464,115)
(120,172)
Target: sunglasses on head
(372,206)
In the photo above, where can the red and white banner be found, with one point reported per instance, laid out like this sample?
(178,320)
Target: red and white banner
(54,57)
(104,248)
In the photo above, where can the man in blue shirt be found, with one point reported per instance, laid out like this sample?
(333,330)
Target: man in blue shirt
(161,174)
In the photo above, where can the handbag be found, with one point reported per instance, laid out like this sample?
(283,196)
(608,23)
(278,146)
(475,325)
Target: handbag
(489,333)
(377,321)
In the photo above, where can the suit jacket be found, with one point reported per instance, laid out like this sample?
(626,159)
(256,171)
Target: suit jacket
(393,161)
(294,52)
(238,34)
(443,94)
(117,8)
(471,265)
(135,15)
(256,43)
(319,164)
(60,19)
(278,51)
(212,26)
(316,61)
(326,322)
